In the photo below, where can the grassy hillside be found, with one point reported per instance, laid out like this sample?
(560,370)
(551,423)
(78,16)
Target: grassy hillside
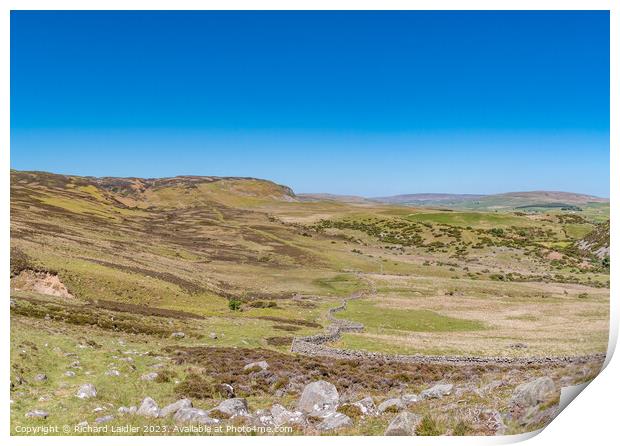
(102,266)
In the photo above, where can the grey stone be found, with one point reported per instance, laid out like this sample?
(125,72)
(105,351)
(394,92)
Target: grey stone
(334,420)
(104,419)
(37,413)
(405,423)
(437,391)
(318,398)
(127,410)
(178,334)
(234,407)
(113,372)
(149,376)
(213,335)
(40,377)
(193,415)
(410,398)
(171,409)
(86,391)
(391,405)
(534,392)
(263,365)
(282,416)
(69,374)
(366,406)
(148,408)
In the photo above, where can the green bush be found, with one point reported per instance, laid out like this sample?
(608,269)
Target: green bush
(234,304)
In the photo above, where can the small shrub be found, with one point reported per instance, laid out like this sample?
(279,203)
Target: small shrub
(461,429)
(234,305)
(427,427)
(218,414)
(582,295)
(165,376)
(350,410)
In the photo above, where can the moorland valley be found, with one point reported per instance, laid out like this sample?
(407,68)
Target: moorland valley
(236,302)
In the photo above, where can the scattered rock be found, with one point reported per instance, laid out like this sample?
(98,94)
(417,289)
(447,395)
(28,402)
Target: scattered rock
(257,365)
(391,405)
(40,377)
(149,376)
(366,406)
(533,392)
(282,416)
(405,423)
(213,335)
(104,419)
(234,407)
(171,409)
(518,345)
(86,391)
(493,421)
(227,390)
(37,413)
(193,415)
(98,409)
(82,424)
(69,373)
(148,408)
(113,372)
(437,391)
(334,420)
(318,398)
(127,410)
(178,334)
(263,418)
(410,398)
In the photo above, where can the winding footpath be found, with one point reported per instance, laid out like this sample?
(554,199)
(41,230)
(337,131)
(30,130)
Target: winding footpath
(315,345)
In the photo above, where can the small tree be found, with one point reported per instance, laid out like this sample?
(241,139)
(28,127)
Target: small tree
(234,304)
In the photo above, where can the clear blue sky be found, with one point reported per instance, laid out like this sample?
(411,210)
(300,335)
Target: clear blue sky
(345,102)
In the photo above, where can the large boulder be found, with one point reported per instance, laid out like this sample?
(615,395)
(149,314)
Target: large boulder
(405,423)
(437,391)
(148,408)
(391,405)
(282,416)
(171,409)
(334,420)
(234,407)
(318,398)
(193,415)
(86,391)
(534,392)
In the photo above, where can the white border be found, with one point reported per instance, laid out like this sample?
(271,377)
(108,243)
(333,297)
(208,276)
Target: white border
(591,420)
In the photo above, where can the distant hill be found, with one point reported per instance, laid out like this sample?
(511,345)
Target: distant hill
(335,197)
(512,200)
(427,198)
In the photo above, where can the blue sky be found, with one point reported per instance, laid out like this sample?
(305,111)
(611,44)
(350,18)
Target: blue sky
(367,103)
